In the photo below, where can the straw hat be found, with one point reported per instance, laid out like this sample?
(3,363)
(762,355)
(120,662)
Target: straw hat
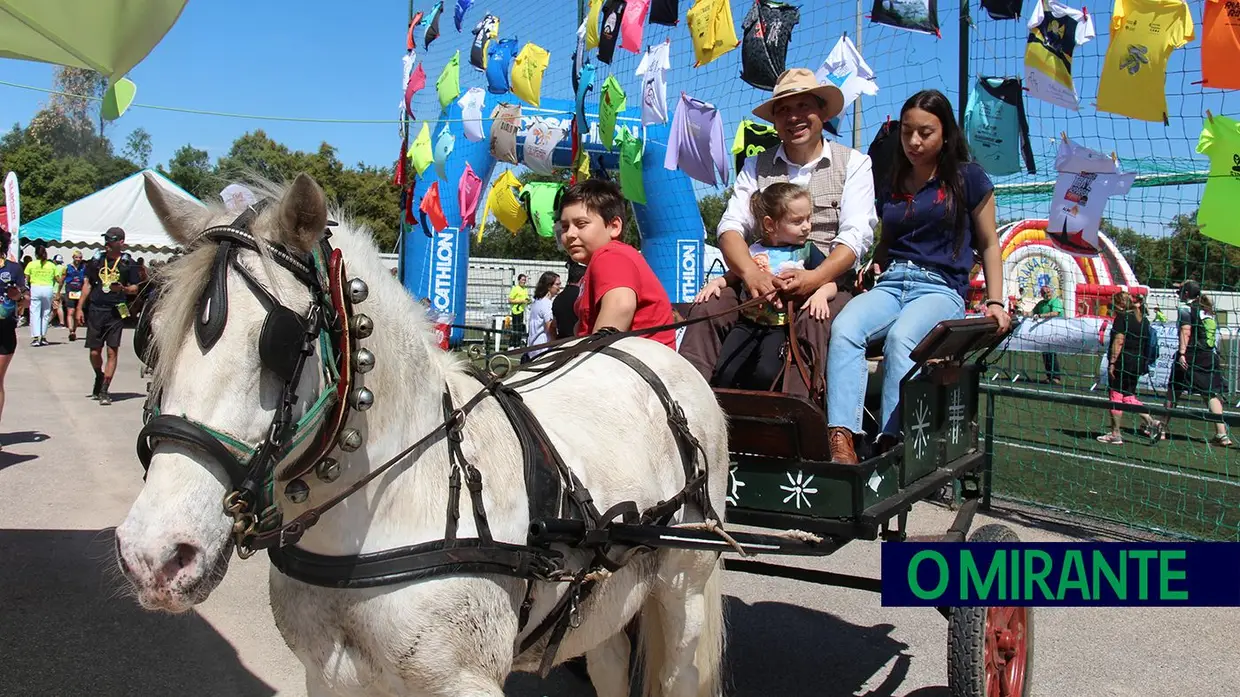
(802,81)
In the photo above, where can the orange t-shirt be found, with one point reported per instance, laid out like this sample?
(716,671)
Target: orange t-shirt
(1220,44)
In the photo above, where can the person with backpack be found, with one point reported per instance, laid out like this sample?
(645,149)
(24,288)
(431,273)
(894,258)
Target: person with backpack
(1198,368)
(1128,358)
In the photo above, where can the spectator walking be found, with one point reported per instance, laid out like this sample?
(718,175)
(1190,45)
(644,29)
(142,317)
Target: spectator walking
(1049,306)
(104,307)
(539,326)
(1197,368)
(1127,361)
(42,275)
(562,308)
(71,291)
(14,295)
(58,315)
(518,298)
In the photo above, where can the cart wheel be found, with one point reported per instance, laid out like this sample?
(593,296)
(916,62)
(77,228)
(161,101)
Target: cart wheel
(990,649)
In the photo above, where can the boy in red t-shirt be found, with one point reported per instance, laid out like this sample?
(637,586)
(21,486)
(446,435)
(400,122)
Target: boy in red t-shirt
(619,289)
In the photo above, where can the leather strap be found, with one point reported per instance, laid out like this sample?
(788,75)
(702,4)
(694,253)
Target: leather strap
(175,428)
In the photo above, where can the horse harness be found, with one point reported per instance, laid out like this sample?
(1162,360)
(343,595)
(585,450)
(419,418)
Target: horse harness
(288,340)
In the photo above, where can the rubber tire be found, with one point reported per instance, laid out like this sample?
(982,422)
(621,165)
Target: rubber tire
(966,652)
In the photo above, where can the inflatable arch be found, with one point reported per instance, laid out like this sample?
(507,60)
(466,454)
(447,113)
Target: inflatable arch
(670,225)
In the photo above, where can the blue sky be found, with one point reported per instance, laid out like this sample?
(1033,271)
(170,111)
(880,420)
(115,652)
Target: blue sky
(338,60)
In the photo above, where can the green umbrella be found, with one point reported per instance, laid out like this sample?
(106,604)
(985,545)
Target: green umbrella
(107,36)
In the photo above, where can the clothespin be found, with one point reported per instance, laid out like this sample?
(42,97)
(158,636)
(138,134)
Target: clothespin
(1209,116)
(1114,159)
(1064,135)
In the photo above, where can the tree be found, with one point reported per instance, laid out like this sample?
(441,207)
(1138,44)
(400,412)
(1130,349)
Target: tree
(138,147)
(191,169)
(81,91)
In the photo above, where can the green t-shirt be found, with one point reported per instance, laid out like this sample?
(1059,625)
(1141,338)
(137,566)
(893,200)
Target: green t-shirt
(1220,203)
(449,83)
(42,273)
(611,102)
(519,297)
(1048,305)
(631,185)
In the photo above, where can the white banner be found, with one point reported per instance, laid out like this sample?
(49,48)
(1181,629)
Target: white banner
(13,211)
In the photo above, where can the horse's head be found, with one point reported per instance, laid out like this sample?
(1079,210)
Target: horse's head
(224,338)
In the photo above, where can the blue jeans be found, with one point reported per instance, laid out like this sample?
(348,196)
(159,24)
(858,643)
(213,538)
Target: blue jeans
(905,304)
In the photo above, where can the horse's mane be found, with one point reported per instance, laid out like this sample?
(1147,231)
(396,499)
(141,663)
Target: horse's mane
(404,331)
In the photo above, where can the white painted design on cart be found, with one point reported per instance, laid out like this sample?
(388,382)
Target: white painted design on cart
(800,489)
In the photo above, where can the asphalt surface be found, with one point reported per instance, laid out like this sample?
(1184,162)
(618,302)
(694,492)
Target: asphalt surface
(67,627)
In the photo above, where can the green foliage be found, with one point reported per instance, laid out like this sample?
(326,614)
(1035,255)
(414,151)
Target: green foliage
(191,169)
(1182,255)
(138,147)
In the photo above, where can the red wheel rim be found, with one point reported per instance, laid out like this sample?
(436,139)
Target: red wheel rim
(1007,651)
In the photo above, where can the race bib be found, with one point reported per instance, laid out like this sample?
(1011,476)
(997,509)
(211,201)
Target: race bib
(75,295)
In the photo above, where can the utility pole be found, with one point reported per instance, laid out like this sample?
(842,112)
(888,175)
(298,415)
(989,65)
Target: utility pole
(964,59)
(857,104)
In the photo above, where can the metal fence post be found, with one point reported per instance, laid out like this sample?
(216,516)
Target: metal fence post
(988,467)
(964,59)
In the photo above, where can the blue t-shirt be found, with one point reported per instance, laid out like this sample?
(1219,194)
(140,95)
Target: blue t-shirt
(922,229)
(499,65)
(11,276)
(996,128)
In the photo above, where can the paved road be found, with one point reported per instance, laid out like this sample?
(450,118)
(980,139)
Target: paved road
(68,474)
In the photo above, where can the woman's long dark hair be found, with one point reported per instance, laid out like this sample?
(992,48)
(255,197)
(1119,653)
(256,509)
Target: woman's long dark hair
(952,158)
(544,284)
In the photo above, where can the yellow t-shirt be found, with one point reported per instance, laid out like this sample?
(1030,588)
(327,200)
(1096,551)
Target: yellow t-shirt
(1134,72)
(1220,204)
(711,29)
(527,73)
(42,273)
(592,20)
(420,151)
(519,297)
(503,202)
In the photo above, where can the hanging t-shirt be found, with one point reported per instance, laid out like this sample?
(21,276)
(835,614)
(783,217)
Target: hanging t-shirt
(449,83)
(527,73)
(611,102)
(916,15)
(1002,9)
(752,138)
(995,126)
(400,175)
(584,85)
(443,147)
(631,25)
(1220,45)
(485,31)
(468,191)
(632,186)
(1052,38)
(1220,205)
(432,208)
(1134,71)
(432,25)
(767,29)
(505,124)
(414,22)
(695,143)
(579,55)
(458,14)
(711,29)
(653,71)
(847,70)
(503,203)
(665,12)
(1087,179)
(609,33)
(593,16)
(471,113)
(541,139)
(499,65)
(417,80)
(421,152)
(542,203)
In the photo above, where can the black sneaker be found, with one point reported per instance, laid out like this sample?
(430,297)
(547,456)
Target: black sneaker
(105,399)
(94,393)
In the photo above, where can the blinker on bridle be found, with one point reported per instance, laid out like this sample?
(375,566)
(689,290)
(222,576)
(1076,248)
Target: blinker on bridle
(286,342)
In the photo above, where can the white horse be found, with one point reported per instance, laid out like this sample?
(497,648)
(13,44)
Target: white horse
(451,635)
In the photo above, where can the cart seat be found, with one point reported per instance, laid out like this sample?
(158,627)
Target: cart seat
(774,424)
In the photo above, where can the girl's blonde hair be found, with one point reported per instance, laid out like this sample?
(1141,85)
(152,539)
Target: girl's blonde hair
(773,202)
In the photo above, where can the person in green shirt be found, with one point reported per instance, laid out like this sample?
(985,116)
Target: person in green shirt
(518,298)
(1049,306)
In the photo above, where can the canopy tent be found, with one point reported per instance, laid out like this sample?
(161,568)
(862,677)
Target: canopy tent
(107,36)
(124,204)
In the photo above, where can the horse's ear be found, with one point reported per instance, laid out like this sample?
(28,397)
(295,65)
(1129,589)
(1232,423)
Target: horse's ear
(303,214)
(180,218)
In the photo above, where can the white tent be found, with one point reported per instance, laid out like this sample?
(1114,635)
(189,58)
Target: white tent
(123,205)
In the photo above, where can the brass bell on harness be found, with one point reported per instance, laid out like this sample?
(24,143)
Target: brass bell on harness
(358,290)
(361,398)
(297,491)
(350,440)
(328,470)
(362,326)
(363,360)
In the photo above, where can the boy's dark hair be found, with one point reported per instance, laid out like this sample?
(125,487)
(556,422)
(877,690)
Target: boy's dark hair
(599,197)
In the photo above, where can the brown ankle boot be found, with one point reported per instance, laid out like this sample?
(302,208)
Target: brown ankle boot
(840,441)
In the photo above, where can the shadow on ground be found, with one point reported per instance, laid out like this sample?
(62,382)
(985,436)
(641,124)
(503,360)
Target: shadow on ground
(786,650)
(68,630)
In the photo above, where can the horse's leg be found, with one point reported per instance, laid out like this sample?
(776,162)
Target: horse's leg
(682,627)
(608,665)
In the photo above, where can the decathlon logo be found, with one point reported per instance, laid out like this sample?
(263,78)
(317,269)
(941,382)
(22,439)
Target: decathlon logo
(688,269)
(443,269)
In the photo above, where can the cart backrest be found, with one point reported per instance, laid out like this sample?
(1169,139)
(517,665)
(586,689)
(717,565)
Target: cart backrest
(774,424)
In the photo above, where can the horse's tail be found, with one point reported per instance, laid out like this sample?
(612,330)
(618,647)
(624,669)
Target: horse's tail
(709,658)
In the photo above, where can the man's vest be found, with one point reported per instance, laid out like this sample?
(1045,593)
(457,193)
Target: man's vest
(826,188)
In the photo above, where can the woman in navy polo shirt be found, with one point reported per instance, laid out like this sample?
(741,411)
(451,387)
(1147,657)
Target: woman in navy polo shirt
(938,212)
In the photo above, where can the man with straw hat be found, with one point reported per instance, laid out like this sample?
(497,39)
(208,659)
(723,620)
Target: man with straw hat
(841,185)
